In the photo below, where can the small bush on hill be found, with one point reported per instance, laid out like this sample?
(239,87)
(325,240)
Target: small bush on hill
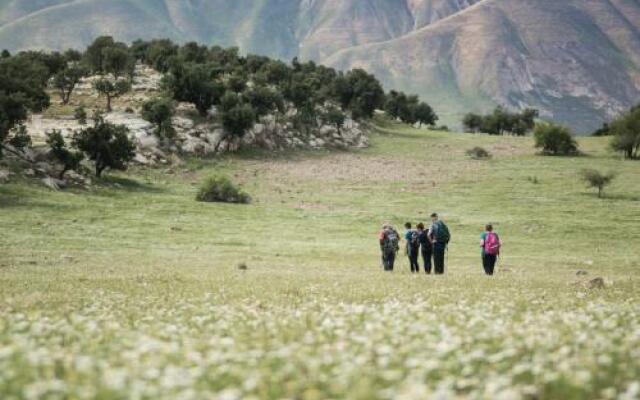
(220,190)
(555,140)
(159,111)
(80,114)
(596,179)
(478,153)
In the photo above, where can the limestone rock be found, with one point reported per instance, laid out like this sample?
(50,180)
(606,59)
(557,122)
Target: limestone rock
(53,183)
(5,175)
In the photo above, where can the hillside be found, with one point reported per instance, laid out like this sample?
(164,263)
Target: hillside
(577,61)
(133,288)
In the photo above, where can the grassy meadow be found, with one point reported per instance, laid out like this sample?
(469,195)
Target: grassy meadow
(132,289)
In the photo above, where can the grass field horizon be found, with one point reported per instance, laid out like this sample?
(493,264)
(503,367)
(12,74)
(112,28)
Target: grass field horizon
(132,289)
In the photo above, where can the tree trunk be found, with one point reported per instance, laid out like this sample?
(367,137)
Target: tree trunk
(68,95)
(599,191)
(108,103)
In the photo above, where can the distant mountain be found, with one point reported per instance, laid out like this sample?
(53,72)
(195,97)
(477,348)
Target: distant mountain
(576,60)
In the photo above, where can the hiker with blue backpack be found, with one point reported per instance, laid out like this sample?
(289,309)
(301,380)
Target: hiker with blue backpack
(389,245)
(440,237)
(490,245)
(412,247)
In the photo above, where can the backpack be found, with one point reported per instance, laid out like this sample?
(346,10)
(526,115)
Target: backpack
(442,233)
(492,244)
(391,241)
(415,239)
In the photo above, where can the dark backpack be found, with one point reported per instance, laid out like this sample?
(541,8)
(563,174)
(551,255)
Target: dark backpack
(391,240)
(415,239)
(442,233)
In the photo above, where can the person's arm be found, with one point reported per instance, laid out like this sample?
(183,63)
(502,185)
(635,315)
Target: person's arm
(431,234)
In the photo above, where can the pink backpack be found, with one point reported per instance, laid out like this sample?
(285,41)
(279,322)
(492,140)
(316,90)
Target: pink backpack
(492,244)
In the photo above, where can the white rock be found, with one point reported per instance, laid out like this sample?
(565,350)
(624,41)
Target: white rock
(327,130)
(146,141)
(183,123)
(141,159)
(5,175)
(258,129)
(53,183)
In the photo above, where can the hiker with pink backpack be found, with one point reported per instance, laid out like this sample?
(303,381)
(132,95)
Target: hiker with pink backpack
(490,244)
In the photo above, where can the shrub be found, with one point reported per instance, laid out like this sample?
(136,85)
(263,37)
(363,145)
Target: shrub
(596,179)
(80,114)
(159,112)
(220,190)
(555,140)
(334,116)
(478,153)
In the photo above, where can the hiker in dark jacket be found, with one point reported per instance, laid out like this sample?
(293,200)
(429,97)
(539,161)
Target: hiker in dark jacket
(389,240)
(440,237)
(490,245)
(412,248)
(426,248)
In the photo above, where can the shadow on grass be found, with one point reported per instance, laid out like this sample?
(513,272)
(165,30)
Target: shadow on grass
(17,196)
(118,183)
(615,197)
(257,154)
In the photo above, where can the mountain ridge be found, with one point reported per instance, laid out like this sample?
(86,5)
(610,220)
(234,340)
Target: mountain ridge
(462,55)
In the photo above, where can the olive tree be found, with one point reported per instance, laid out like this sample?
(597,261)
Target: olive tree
(111,89)
(66,80)
(626,133)
(106,144)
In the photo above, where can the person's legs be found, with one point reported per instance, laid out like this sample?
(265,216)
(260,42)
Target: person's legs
(426,258)
(391,258)
(485,264)
(491,263)
(438,257)
(415,267)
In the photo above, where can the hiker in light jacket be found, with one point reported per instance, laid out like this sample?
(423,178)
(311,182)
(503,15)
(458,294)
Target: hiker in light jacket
(490,245)
(440,237)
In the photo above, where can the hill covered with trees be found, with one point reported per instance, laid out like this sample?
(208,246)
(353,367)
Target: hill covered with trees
(205,100)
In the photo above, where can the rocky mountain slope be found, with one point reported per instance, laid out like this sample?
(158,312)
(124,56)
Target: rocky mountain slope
(576,60)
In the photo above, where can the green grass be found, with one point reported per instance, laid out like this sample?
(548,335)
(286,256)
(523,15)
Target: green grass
(132,288)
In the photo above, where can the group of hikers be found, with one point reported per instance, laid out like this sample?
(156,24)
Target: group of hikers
(432,244)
